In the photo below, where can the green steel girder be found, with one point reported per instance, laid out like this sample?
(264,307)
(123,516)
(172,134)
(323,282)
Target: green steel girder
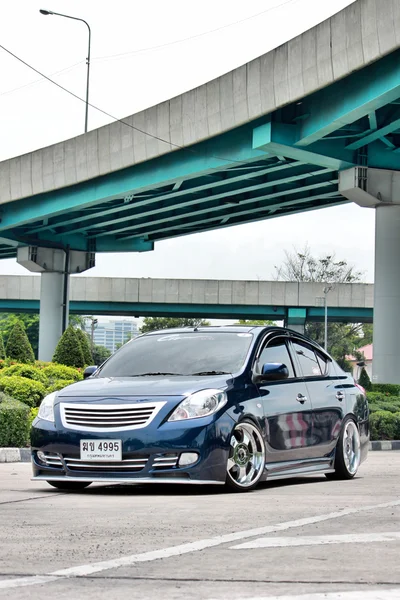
(350,99)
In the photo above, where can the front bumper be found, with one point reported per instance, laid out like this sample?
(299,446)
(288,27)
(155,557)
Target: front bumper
(149,455)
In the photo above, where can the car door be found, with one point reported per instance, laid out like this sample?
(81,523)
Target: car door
(287,408)
(326,398)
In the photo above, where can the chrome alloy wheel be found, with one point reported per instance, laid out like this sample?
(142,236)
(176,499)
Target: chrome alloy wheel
(246,456)
(351,447)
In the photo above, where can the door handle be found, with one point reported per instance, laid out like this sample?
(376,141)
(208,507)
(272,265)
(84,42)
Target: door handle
(300,398)
(340,396)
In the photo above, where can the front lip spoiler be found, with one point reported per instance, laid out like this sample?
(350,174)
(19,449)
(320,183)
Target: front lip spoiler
(131,480)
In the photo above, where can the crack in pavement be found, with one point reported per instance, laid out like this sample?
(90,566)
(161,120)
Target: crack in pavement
(29,499)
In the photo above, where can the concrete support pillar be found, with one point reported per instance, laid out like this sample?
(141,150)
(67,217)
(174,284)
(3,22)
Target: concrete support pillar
(51,313)
(386,359)
(55,266)
(296,319)
(380,189)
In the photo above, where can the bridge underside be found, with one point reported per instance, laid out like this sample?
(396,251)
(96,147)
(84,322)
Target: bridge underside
(285,163)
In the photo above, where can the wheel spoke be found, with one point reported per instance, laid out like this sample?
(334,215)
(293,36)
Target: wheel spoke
(246,438)
(242,474)
(231,464)
(234,442)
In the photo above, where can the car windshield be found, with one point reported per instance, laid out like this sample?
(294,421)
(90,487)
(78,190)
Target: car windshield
(188,353)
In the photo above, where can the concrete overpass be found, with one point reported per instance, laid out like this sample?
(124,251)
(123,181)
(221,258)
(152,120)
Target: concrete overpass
(313,123)
(291,302)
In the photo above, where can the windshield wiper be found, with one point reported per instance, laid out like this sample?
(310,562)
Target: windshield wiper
(211,373)
(155,373)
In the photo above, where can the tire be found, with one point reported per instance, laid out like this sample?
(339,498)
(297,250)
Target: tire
(70,486)
(246,460)
(348,453)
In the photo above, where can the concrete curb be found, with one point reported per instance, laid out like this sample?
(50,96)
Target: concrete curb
(11,455)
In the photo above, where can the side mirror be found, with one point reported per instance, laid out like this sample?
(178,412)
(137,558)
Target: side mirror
(273,372)
(89,371)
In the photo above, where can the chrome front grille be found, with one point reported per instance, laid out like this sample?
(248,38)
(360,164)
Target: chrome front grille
(108,417)
(165,462)
(128,464)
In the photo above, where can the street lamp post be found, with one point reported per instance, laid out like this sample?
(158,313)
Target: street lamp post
(327,289)
(50,12)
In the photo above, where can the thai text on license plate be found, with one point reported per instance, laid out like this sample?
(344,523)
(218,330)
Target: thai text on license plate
(101,450)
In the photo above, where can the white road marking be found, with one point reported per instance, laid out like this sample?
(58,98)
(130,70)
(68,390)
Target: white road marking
(377,594)
(318,540)
(89,569)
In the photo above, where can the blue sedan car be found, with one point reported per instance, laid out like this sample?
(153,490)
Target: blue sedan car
(211,405)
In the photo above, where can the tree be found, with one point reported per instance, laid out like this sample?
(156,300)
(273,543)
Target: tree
(69,351)
(30,323)
(100,354)
(85,345)
(155,323)
(2,349)
(18,346)
(364,379)
(303,266)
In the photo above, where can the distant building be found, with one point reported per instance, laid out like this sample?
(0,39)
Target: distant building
(368,352)
(113,333)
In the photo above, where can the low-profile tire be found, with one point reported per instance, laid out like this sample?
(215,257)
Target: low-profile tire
(348,452)
(70,486)
(246,460)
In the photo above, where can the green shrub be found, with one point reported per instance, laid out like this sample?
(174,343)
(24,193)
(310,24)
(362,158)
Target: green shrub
(68,351)
(2,349)
(379,401)
(18,345)
(33,413)
(28,371)
(26,390)
(14,423)
(390,389)
(364,379)
(85,345)
(385,425)
(59,385)
(55,372)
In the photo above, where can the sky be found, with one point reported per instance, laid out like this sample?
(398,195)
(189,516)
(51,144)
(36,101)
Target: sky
(144,53)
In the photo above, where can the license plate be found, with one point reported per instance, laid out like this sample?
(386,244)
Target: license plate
(101,450)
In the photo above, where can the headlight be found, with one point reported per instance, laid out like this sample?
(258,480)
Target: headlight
(46,410)
(199,404)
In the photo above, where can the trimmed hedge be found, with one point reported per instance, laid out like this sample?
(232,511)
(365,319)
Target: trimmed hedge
(26,390)
(69,351)
(56,372)
(18,345)
(28,371)
(385,425)
(14,423)
(390,389)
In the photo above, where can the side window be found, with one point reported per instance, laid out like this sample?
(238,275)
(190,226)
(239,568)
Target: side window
(308,360)
(275,351)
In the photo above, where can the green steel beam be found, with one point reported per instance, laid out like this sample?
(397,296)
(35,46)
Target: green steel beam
(117,217)
(350,99)
(228,311)
(213,198)
(181,164)
(263,212)
(281,138)
(375,135)
(151,197)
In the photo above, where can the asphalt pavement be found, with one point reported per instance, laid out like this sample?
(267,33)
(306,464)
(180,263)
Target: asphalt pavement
(307,538)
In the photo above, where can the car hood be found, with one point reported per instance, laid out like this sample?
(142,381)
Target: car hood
(106,387)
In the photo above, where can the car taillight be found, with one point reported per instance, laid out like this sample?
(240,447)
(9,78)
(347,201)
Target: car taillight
(360,387)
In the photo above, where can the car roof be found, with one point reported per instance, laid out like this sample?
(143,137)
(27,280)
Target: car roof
(216,329)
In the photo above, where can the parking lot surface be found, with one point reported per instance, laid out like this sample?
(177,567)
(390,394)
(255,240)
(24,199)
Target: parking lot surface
(302,538)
